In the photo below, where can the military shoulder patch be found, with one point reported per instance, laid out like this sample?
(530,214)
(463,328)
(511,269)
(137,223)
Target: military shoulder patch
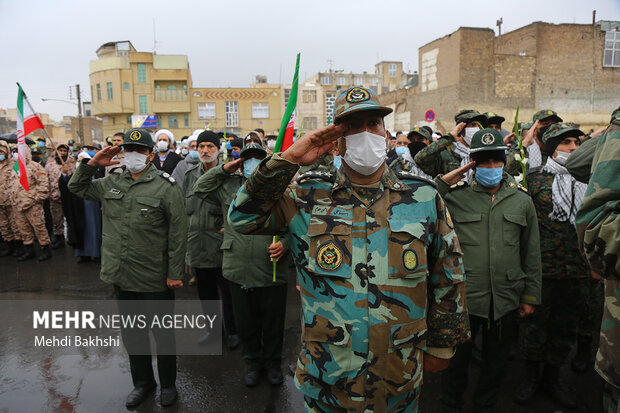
(166,177)
(524,189)
(411,175)
(324,174)
(459,185)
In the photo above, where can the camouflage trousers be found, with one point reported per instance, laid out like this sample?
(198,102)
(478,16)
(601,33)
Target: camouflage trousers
(30,222)
(592,311)
(8,224)
(611,397)
(58,218)
(403,403)
(549,333)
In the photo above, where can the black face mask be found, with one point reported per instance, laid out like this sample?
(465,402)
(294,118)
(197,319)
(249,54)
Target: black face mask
(36,159)
(541,132)
(415,147)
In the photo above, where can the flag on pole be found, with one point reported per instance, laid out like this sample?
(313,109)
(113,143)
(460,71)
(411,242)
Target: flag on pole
(27,122)
(287,128)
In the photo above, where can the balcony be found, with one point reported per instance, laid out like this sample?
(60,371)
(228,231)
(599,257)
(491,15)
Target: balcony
(171,95)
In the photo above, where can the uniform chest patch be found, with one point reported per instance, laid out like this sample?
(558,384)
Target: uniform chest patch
(410,260)
(329,256)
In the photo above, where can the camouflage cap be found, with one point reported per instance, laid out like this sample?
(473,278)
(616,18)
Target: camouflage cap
(138,137)
(70,142)
(421,131)
(615,116)
(488,139)
(357,99)
(526,125)
(561,130)
(470,115)
(546,114)
(494,119)
(253,150)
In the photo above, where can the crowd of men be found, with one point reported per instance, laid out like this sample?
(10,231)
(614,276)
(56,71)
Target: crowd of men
(407,248)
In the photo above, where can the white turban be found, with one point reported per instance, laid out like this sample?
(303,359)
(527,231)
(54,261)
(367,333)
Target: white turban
(166,132)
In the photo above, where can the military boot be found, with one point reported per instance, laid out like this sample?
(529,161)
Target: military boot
(7,250)
(552,386)
(18,249)
(46,253)
(28,253)
(59,241)
(581,361)
(526,390)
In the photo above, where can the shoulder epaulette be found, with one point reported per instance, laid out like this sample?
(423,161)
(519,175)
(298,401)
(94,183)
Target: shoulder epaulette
(459,185)
(166,176)
(324,174)
(411,175)
(524,189)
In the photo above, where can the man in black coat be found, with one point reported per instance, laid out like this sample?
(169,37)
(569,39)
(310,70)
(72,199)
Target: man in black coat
(166,159)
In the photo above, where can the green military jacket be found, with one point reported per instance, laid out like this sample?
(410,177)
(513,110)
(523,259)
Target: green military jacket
(439,157)
(144,226)
(499,237)
(579,163)
(246,260)
(205,223)
(380,273)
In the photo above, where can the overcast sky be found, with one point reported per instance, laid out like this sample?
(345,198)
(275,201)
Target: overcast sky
(46,45)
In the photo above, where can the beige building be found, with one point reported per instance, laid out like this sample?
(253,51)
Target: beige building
(573,69)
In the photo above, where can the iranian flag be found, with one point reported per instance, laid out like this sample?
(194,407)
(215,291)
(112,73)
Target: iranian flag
(27,122)
(287,128)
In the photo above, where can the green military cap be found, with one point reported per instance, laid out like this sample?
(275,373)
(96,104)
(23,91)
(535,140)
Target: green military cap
(70,142)
(494,119)
(357,99)
(561,130)
(253,150)
(615,116)
(470,115)
(488,139)
(421,131)
(138,137)
(546,114)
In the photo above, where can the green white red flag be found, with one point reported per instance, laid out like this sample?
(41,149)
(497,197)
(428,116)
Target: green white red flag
(287,128)
(27,122)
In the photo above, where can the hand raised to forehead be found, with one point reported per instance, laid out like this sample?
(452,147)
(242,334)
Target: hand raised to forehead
(311,146)
(104,156)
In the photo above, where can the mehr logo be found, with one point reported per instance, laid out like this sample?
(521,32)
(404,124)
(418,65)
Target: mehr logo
(357,94)
(487,139)
(135,135)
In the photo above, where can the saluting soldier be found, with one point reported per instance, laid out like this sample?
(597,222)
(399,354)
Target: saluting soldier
(378,263)
(143,248)
(496,223)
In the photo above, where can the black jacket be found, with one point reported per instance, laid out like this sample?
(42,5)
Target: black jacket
(169,164)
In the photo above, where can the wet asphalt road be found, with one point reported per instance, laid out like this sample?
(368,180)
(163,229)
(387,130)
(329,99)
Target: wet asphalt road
(45,381)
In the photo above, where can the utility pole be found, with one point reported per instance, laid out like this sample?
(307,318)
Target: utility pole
(80,119)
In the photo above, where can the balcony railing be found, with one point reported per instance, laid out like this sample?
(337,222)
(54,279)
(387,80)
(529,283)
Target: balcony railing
(171,95)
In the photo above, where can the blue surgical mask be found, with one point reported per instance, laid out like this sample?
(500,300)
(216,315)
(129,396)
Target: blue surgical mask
(2,157)
(489,177)
(249,165)
(228,146)
(40,144)
(401,150)
(194,155)
(235,154)
(70,148)
(337,161)
(91,153)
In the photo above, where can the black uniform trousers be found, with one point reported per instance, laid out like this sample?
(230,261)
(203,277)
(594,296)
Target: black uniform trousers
(213,286)
(496,339)
(137,343)
(259,316)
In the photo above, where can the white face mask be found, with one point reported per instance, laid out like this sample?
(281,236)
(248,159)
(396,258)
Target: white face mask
(365,152)
(561,157)
(469,133)
(15,156)
(135,161)
(271,144)
(162,146)
(184,151)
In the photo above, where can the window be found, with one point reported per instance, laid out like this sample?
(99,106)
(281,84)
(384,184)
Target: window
(144,109)
(330,99)
(341,81)
(287,93)
(392,69)
(109,87)
(359,81)
(310,123)
(128,119)
(326,80)
(186,121)
(173,121)
(92,95)
(125,85)
(260,110)
(232,114)
(309,96)
(611,57)
(206,110)
(374,81)
(171,87)
(141,72)
(98,91)
(159,122)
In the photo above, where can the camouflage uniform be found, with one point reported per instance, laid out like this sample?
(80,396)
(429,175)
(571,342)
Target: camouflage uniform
(53,169)
(440,156)
(381,280)
(598,226)
(8,226)
(399,164)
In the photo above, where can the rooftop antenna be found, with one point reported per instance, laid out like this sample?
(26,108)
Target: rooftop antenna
(499,23)
(330,62)
(154,38)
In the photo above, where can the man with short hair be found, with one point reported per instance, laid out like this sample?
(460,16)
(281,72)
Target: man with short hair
(166,159)
(378,263)
(188,162)
(261,133)
(119,159)
(415,141)
(54,169)
(143,249)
